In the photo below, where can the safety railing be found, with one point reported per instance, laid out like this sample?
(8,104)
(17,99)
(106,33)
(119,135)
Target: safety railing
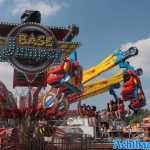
(67,143)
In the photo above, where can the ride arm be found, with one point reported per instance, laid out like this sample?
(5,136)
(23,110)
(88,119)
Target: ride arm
(113,93)
(111,61)
(97,87)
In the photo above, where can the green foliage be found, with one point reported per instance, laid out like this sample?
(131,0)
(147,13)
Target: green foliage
(137,118)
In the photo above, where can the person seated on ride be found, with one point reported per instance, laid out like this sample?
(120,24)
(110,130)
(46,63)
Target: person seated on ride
(130,86)
(136,104)
(114,105)
(121,108)
(113,108)
(93,111)
(84,110)
(80,110)
(108,109)
(76,74)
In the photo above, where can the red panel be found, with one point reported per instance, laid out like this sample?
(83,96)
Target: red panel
(5,29)
(58,32)
(20,80)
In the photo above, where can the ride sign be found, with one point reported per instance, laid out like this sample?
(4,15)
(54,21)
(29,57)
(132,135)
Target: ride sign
(31,48)
(37,41)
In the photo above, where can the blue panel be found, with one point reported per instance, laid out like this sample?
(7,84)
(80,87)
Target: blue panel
(73,56)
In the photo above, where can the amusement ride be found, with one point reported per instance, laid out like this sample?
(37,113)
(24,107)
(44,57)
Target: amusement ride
(46,56)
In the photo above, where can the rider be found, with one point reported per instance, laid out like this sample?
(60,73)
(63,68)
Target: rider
(137,103)
(132,90)
(130,86)
(121,108)
(112,107)
(114,104)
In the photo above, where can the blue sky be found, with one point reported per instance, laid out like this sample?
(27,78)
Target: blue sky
(104,26)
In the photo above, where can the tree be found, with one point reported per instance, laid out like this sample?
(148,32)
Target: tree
(138,118)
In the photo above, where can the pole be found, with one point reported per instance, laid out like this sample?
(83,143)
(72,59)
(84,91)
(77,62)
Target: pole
(30,97)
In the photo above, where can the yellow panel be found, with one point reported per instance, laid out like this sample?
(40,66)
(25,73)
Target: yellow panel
(101,86)
(3,42)
(68,45)
(103,66)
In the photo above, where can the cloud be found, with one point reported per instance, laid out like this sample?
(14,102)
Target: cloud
(46,8)
(1,2)
(143,59)
(6,75)
(147,96)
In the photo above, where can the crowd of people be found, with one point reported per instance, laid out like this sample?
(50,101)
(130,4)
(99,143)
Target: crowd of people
(115,108)
(87,110)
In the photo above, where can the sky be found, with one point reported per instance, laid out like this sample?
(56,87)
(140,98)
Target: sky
(105,25)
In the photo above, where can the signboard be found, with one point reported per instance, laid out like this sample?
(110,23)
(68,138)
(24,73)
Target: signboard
(31,48)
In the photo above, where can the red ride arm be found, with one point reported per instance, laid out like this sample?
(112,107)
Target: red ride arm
(54,78)
(130,82)
(56,70)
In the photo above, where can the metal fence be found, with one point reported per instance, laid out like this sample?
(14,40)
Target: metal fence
(67,143)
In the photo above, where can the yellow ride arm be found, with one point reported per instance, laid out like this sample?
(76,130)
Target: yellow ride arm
(103,66)
(101,86)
